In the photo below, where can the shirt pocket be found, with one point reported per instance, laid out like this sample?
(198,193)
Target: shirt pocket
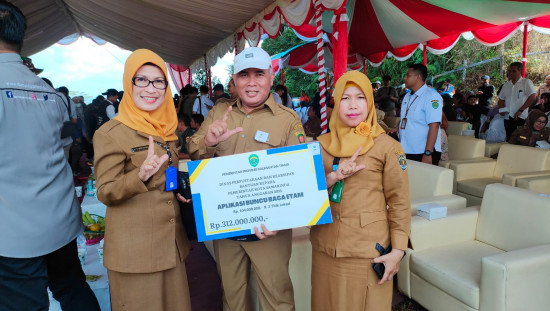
(273,140)
(138,158)
(374,225)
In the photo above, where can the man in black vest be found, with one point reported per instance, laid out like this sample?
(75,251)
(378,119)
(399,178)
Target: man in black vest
(107,109)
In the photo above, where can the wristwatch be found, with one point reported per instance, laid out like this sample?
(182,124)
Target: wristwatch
(428,152)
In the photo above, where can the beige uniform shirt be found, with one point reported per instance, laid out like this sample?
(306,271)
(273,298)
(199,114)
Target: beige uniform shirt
(375,205)
(143,227)
(282,125)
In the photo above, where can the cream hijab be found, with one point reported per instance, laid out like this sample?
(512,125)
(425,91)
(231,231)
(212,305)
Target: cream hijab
(161,122)
(342,141)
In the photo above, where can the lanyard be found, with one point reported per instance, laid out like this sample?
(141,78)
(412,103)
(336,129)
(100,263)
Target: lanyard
(409,106)
(167,147)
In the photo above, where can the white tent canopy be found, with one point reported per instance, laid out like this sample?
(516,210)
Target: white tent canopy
(181,31)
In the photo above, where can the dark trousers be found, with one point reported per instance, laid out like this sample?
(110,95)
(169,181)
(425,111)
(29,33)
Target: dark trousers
(23,282)
(75,155)
(436,156)
(510,125)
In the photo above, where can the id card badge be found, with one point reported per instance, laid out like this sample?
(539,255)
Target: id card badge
(403,123)
(171,178)
(261,136)
(336,193)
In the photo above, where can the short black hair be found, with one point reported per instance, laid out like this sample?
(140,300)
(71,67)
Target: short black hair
(218,87)
(185,119)
(198,118)
(518,65)
(64,90)
(420,69)
(193,90)
(204,89)
(48,81)
(386,78)
(14,25)
(470,96)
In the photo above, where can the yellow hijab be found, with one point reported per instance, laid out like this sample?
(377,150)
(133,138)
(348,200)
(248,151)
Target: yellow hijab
(161,122)
(342,141)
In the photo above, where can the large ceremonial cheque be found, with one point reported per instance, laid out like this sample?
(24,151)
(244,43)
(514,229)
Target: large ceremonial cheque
(282,188)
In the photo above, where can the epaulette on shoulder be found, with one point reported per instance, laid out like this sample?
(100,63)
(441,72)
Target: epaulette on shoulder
(290,111)
(109,125)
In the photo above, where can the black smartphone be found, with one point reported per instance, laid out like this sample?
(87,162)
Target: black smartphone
(379,267)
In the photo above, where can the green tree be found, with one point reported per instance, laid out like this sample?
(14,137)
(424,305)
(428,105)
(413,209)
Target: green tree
(295,80)
(199,78)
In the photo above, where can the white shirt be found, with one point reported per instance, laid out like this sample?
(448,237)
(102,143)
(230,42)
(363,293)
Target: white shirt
(204,100)
(110,110)
(515,95)
(277,98)
(424,107)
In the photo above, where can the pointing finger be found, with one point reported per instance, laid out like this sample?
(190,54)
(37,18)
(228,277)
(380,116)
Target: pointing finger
(359,167)
(227,113)
(151,150)
(355,155)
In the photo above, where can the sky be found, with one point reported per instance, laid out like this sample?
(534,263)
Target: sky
(88,69)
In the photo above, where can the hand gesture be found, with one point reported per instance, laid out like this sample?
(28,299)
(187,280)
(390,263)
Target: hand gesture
(348,167)
(218,132)
(152,163)
(265,234)
(391,263)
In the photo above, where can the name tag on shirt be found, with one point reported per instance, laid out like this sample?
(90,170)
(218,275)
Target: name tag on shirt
(261,136)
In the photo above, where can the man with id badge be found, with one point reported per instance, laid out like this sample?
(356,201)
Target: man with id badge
(135,153)
(253,121)
(421,113)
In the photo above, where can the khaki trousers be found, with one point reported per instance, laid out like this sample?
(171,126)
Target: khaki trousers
(269,258)
(164,290)
(347,284)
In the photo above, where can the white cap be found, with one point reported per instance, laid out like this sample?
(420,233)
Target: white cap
(252,58)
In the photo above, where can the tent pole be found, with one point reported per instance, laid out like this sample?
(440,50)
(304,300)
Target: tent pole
(321,66)
(365,66)
(524,57)
(424,54)
(190,76)
(282,76)
(340,55)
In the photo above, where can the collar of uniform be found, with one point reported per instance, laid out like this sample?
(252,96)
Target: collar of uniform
(518,81)
(269,103)
(10,58)
(421,90)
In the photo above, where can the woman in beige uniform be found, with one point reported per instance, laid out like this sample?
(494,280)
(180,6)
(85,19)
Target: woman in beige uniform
(374,206)
(145,241)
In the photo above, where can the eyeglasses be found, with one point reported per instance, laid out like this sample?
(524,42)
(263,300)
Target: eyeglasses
(143,82)
(541,121)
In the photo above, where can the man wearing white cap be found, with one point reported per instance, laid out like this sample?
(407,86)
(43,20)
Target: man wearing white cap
(253,121)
